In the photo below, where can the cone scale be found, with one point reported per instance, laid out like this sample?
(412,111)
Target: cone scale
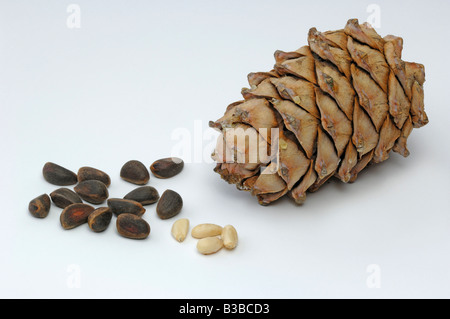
(328,109)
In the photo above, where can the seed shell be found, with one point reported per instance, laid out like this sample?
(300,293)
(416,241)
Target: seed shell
(63,197)
(169,205)
(100,219)
(135,172)
(58,175)
(125,206)
(167,167)
(145,195)
(40,206)
(92,191)
(75,215)
(132,226)
(86,173)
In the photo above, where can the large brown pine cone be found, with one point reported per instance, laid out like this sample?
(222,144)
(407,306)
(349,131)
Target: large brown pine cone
(327,109)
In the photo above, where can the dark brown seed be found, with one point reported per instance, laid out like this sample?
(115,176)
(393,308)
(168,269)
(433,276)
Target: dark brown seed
(169,204)
(40,206)
(88,173)
(63,197)
(145,195)
(135,172)
(99,219)
(125,206)
(132,226)
(167,167)
(75,215)
(92,191)
(58,175)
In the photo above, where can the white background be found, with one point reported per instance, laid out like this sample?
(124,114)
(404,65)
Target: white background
(137,72)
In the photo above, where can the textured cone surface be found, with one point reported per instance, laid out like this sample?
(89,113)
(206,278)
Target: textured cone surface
(328,109)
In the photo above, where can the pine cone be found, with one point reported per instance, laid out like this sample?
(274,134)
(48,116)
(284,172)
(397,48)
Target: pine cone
(327,109)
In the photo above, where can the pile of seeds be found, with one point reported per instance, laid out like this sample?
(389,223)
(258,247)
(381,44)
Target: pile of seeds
(91,186)
(211,237)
